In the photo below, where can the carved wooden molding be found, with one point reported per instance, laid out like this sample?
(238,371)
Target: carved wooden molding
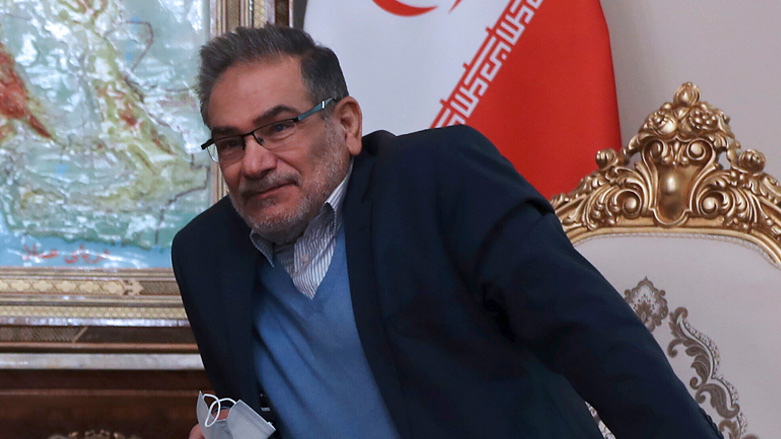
(669,176)
(92,434)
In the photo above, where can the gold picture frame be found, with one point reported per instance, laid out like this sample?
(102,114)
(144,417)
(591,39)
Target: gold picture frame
(62,309)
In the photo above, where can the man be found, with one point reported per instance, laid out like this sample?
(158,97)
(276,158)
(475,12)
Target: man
(397,287)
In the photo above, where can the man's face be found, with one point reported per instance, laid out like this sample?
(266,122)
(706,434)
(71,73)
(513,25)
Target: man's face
(277,193)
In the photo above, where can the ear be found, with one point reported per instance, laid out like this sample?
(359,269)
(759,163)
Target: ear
(347,115)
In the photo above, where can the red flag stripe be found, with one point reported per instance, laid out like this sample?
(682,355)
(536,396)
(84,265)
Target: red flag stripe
(486,64)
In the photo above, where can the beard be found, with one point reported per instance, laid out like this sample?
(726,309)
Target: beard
(331,162)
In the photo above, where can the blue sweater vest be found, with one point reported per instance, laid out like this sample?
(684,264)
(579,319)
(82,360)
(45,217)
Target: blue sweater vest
(309,358)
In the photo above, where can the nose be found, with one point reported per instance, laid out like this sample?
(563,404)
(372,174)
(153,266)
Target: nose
(257,160)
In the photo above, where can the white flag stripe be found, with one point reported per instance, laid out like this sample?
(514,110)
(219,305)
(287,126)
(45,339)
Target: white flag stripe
(400,68)
(489,59)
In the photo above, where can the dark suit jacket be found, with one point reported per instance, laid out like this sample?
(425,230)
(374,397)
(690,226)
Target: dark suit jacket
(476,314)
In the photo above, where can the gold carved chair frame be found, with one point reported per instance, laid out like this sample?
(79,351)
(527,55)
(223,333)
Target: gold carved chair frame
(684,173)
(669,177)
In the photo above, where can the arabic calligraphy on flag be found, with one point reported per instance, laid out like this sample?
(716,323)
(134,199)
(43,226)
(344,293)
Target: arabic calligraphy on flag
(534,76)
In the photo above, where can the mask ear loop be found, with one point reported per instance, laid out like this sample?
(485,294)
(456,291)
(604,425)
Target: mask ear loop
(217,402)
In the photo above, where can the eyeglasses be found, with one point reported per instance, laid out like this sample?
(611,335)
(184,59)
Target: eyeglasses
(231,148)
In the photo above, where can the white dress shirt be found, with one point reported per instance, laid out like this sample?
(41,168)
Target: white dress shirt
(308,258)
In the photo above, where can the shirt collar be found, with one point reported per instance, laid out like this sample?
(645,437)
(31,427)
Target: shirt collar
(331,208)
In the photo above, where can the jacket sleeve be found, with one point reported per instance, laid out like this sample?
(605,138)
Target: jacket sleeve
(187,270)
(509,244)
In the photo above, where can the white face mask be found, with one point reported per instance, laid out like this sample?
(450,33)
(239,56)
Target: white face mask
(242,421)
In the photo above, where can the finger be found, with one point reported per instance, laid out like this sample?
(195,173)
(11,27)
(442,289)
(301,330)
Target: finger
(196,433)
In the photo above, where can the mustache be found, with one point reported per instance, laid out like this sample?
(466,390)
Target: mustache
(250,187)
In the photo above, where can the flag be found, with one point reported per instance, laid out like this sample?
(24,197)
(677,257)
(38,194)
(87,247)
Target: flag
(534,76)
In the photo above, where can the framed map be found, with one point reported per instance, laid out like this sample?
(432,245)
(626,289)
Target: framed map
(100,163)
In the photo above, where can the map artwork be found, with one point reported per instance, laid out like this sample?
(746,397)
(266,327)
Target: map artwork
(99,130)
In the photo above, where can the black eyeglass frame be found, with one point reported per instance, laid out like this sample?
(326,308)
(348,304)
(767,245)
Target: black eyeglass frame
(317,108)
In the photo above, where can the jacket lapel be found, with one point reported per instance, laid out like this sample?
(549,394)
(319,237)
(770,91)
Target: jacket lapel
(237,287)
(359,242)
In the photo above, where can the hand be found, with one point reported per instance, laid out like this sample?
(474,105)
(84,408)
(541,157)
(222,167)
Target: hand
(196,433)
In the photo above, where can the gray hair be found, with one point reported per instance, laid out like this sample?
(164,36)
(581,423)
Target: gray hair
(320,70)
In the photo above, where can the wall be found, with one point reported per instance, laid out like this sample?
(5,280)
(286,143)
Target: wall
(729,49)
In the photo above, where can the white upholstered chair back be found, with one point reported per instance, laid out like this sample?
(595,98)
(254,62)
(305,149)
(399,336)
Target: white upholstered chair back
(694,245)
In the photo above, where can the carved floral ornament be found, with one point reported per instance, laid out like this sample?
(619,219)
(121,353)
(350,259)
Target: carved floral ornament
(676,181)
(686,344)
(92,434)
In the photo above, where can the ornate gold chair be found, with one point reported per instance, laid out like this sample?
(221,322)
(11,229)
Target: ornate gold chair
(688,227)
